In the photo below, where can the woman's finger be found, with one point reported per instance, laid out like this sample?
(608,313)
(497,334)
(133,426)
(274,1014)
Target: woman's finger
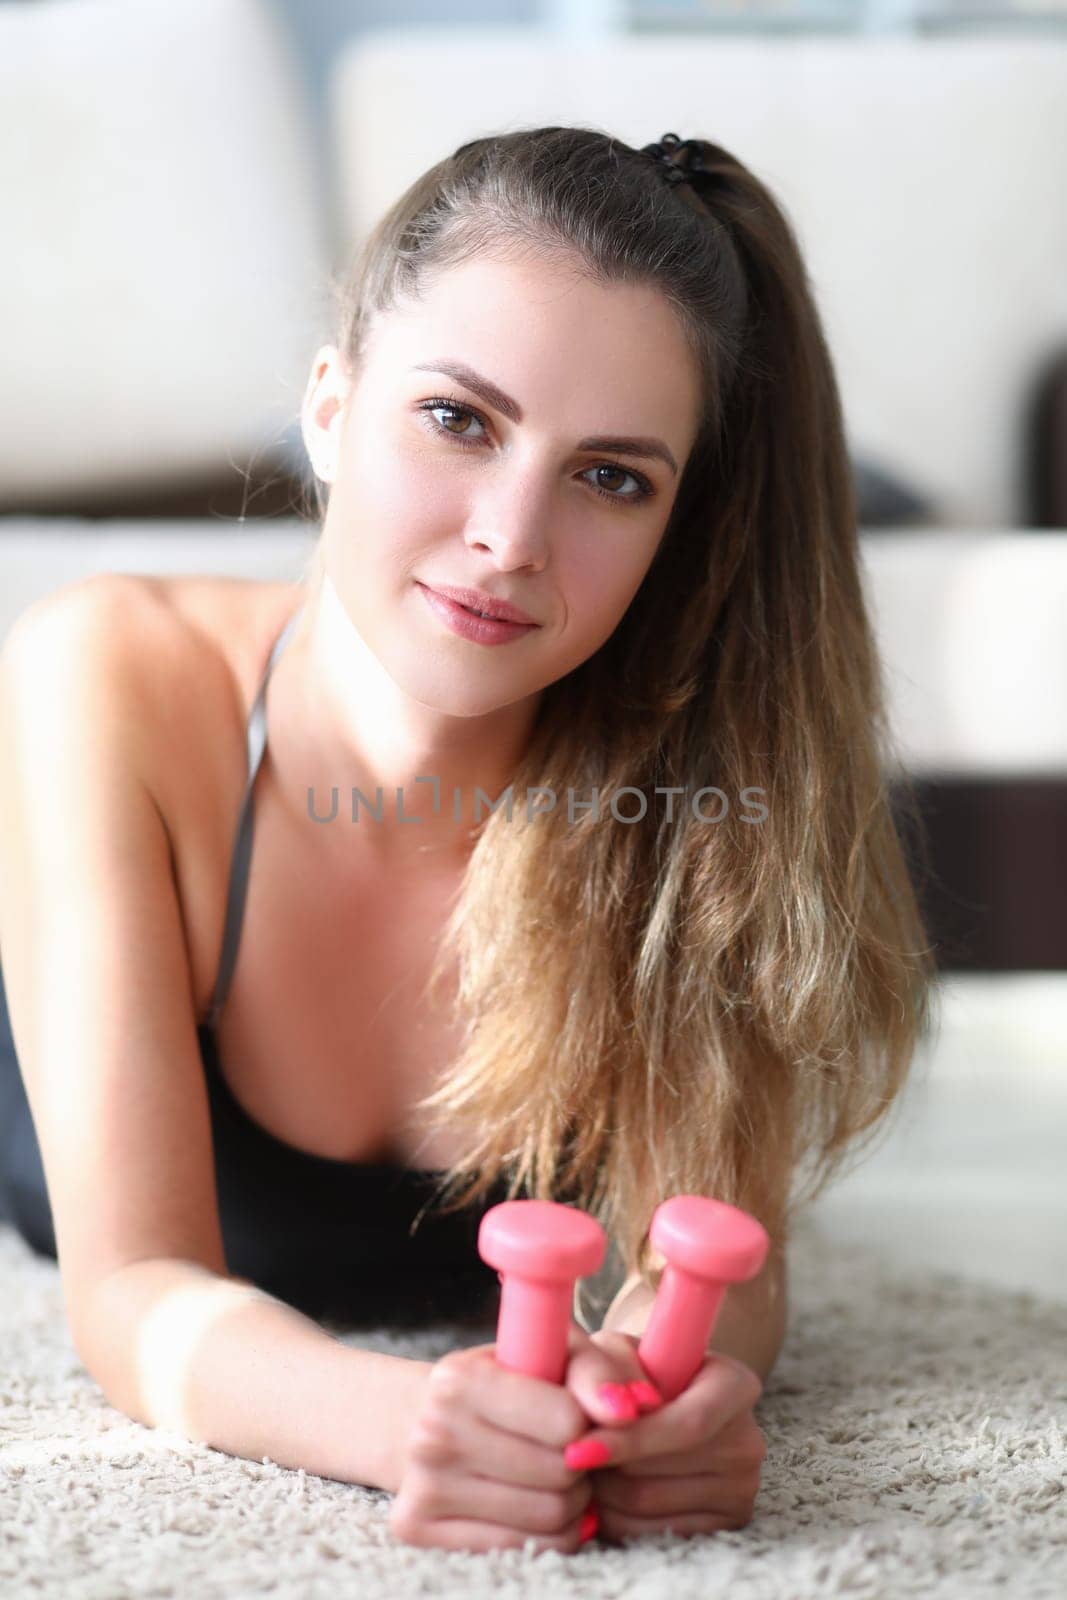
(703,1457)
(537,1511)
(466,1533)
(653,1496)
(472,1382)
(469,1444)
(738,1446)
(599,1375)
(618,1529)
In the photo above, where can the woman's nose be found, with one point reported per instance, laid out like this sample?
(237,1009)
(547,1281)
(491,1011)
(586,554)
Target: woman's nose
(514,538)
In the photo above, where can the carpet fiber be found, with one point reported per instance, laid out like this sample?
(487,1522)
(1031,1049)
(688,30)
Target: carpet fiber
(916,1447)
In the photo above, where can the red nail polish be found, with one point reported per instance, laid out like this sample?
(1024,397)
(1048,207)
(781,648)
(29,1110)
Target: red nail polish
(583,1454)
(618,1400)
(645,1393)
(589,1524)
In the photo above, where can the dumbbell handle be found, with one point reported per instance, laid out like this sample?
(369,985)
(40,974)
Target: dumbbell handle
(673,1346)
(533,1327)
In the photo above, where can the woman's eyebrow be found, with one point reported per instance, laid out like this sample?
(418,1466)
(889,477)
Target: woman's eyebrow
(647,449)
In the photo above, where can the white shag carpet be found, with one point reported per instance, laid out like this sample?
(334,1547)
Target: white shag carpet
(916,1447)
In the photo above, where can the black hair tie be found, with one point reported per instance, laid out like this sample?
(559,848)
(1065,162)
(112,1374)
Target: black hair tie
(682,159)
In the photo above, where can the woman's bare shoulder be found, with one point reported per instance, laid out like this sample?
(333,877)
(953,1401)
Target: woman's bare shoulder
(181,652)
(161,622)
(234,620)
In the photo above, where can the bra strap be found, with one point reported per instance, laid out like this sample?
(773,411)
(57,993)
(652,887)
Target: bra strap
(242,849)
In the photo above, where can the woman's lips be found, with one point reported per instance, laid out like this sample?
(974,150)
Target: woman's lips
(468,625)
(482,603)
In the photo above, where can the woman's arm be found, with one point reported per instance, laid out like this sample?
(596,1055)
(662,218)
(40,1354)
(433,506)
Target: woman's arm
(752,1319)
(219,1361)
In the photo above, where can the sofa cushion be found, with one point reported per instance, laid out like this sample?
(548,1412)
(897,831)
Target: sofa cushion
(165,252)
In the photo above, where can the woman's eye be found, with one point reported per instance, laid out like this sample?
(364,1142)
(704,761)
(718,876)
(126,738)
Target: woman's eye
(460,411)
(644,489)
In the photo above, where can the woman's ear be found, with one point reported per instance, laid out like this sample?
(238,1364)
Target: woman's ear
(322,413)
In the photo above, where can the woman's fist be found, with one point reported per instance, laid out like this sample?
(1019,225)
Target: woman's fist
(689,1465)
(483,1464)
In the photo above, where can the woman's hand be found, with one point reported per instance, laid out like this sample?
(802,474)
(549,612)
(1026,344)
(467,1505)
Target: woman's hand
(483,1466)
(688,1465)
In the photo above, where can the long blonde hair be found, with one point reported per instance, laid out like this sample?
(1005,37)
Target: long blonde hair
(666,1007)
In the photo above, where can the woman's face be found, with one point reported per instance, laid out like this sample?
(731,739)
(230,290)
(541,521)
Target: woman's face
(514,498)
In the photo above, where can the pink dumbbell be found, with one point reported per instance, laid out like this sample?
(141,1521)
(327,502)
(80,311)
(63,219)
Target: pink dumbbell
(540,1249)
(708,1246)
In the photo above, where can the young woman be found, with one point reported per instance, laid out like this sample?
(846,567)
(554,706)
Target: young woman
(602,906)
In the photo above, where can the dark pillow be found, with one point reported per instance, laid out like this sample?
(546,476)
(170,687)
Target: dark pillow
(884,501)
